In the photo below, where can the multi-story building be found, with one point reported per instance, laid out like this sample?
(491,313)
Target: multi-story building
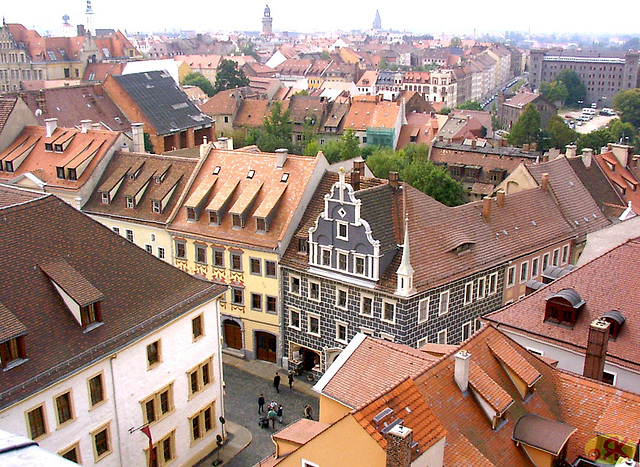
(603,73)
(510,109)
(100,340)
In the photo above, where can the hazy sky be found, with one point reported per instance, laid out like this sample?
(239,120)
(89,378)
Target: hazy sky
(461,16)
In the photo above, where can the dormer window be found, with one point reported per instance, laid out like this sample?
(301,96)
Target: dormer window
(261,225)
(563,307)
(191,215)
(90,315)
(214,218)
(9,166)
(156,207)
(48,147)
(105,198)
(12,352)
(130,202)
(616,320)
(72,174)
(285,177)
(236,221)
(58,147)
(60,172)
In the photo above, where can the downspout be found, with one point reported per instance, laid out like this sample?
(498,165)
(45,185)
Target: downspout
(115,406)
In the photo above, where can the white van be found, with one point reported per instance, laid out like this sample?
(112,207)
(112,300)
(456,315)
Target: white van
(588,111)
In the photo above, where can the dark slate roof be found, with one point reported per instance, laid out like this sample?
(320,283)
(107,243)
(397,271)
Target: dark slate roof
(377,203)
(162,102)
(41,231)
(6,106)
(596,182)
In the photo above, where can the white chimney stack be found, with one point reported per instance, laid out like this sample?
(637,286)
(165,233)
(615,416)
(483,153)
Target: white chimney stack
(461,373)
(85,125)
(281,157)
(50,125)
(137,132)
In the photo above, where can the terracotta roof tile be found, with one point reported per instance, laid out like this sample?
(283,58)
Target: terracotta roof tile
(488,389)
(507,355)
(301,431)
(71,282)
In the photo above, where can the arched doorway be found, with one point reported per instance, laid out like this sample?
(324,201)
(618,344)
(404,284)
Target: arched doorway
(265,346)
(232,334)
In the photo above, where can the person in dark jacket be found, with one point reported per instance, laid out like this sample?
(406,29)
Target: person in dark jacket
(261,403)
(279,412)
(276,382)
(290,379)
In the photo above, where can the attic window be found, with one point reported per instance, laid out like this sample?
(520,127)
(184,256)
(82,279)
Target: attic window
(251,174)
(616,320)
(58,147)
(236,220)
(72,174)
(12,352)
(60,172)
(214,218)
(105,198)
(216,170)
(91,315)
(191,214)
(563,307)
(130,202)
(462,248)
(285,177)
(261,225)
(48,147)
(156,207)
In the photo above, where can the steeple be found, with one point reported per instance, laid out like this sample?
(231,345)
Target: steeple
(405,271)
(377,23)
(90,25)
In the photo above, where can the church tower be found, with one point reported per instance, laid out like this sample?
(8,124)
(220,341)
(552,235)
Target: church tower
(267,23)
(377,23)
(90,20)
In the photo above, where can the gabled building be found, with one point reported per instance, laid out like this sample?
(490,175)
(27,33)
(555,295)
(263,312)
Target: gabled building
(375,122)
(67,162)
(384,259)
(510,109)
(153,98)
(93,349)
(238,216)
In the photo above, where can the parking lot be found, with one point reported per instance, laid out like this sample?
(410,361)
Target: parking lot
(596,123)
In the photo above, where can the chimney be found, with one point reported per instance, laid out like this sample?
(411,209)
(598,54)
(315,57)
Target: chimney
(394,181)
(461,372)
(486,208)
(355,179)
(596,349)
(85,125)
(587,155)
(473,144)
(534,146)
(50,125)
(399,441)
(281,157)
(500,196)
(545,182)
(204,147)
(137,131)
(359,165)
(634,161)
(572,150)
(621,151)
(80,30)
(525,147)
(96,126)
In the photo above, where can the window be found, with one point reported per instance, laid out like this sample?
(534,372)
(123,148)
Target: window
(255,266)
(442,336)
(342,261)
(116,230)
(181,250)
(478,324)
(482,285)
(201,254)
(342,297)
(524,271)
(101,442)
(342,231)
(294,284)
(163,451)
(129,234)
(12,352)
(313,324)
(443,307)
(90,315)
(468,293)
(565,254)
(609,378)
(218,258)
(269,268)
(271,304)
(256,301)
(37,422)
(236,261)
(423,310)
(158,405)
(96,390)
(105,198)
(148,248)
(191,214)
(535,351)
(261,224)
(294,319)
(556,257)
(545,261)
(129,202)
(387,337)
(214,218)
(303,245)
(341,331)
(326,257)
(203,422)
(153,354)
(511,276)
(196,327)
(200,376)
(156,207)
(161,253)
(237,296)
(314,291)
(467,330)
(64,408)
(366,305)
(535,267)
(359,265)
(388,312)
(72,453)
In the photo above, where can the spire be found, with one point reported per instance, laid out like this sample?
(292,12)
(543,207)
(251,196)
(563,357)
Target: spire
(405,271)
(377,23)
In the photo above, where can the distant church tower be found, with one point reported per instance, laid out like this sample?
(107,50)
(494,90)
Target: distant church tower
(67,28)
(90,25)
(377,23)
(267,23)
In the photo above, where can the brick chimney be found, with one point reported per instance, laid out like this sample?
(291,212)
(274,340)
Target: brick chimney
(596,349)
(281,157)
(394,180)
(473,144)
(50,125)
(359,165)
(355,179)
(545,182)
(85,125)
(137,131)
(587,156)
(461,372)
(500,197)
(486,208)
(571,150)
(399,440)
(525,147)
(534,146)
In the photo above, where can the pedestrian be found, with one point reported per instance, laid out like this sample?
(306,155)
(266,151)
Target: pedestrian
(272,405)
(276,382)
(271,415)
(308,412)
(290,379)
(261,403)
(279,412)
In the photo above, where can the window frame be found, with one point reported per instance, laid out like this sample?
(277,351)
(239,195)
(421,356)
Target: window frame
(555,259)
(103,392)
(442,332)
(199,371)
(493,283)
(546,261)
(510,276)
(267,299)
(339,226)
(199,417)
(339,290)
(481,289)
(535,267)
(295,285)
(233,256)
(200,253)
(73,447)
(345,325)
(214,258)
(255,262)
(154,356)
(356,259)
(34,431)
(329,252)
(181,249)
(383,317)
(564,255)
(469,330)
(443,310)
(251,304)
(422,301)
(71,407)
(109,449)
(267,265)
(312,283)
(156,403)
(240,290)
(128,233)
(310,317)
(297,312)
(524,272)
(159,451)
(364,296)
(468,293)
(342,255)
(200,319)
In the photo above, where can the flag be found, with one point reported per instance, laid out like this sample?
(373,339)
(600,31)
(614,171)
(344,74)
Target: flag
(147,431)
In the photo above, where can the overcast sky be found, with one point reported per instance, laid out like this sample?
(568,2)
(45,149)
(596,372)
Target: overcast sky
(461,16)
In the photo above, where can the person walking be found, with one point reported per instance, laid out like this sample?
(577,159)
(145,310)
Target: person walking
(279,412)
(308,412)
(290,379)
(276,382)
(261,403)
(271,415)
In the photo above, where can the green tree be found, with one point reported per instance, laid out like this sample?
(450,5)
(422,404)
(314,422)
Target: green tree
(382,64)
(455,42)
(324,55)
(198,79)
(435,181)
(554,91)
(385,160)
(249,49)
(559,133)
(445,111)
(527,128)
(595,140)
(276,129)
(627,104)
(576,89)
(228,76)
(331,150)
(469,105)
(148,145)
(350,145)
(416,152)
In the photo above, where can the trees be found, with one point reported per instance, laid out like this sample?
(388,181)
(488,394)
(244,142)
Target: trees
(229,77)
(595,140)
(469,105)
(559,133)
(435,181)
(382,161)
(198,79)
(627,104)
(576,90)
(527,128)
(276,130)
(554,91)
